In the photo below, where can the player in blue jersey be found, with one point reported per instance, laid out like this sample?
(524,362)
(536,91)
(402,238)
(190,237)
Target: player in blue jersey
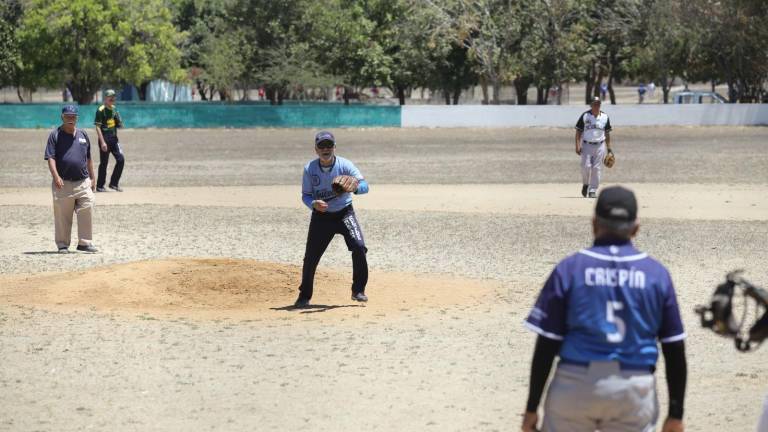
(332,214)
(602,311)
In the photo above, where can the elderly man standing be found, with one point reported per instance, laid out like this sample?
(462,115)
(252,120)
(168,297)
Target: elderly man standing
(604,311)
(68,153)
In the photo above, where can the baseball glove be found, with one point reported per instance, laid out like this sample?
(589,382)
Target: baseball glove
(344,183)
(720,315)
(610,159)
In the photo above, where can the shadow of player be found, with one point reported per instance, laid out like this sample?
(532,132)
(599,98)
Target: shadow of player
(48,252)
(314,308)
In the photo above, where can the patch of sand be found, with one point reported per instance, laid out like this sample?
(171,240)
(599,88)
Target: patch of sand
(657,200)
(228,288)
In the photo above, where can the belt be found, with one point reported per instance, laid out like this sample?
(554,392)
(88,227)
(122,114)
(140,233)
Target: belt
(332,215)
(592,142)
(622,366)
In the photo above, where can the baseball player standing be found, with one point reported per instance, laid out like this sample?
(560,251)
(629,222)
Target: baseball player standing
(602,311)
(332,214)
(593,142)
(68,153)
(107,122)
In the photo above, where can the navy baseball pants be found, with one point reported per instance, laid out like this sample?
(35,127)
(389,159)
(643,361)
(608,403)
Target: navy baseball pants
(322,228)
(113,146)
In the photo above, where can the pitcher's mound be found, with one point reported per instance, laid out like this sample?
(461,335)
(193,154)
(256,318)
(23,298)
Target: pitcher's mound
(194,287)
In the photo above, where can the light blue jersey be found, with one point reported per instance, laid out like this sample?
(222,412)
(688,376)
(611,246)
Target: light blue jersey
(317,181)
(610,302)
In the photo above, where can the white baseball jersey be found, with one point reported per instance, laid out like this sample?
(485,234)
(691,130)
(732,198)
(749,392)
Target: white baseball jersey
(593,128)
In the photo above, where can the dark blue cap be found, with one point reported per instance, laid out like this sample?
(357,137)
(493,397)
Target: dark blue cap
(616,208)
(324,136)
(69,109)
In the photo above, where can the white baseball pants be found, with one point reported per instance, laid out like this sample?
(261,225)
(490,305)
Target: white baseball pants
(592,156)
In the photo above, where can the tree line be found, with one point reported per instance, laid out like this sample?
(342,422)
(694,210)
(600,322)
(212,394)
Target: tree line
(295,47)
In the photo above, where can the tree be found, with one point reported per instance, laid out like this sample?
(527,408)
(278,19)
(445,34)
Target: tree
(269,29)
(10,55)
(149,44)
(616,34)
(86,44)
(221,59)
(670,45)
(395,29)
(291,66)
(734,50)
(347,40)
(454,71)
(555,44)
(214,49)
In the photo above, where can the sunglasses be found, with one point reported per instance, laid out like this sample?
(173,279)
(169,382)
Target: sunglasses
(325,144)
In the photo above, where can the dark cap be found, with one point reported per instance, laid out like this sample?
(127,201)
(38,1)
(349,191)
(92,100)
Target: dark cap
(616,208)
(69,110)
(595,100)
(324,136)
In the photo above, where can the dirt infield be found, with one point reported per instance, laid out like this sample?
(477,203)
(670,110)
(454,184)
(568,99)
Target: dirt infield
(182,322)
(218,288)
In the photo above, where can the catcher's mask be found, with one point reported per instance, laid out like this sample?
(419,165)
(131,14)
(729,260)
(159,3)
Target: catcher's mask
(720,318)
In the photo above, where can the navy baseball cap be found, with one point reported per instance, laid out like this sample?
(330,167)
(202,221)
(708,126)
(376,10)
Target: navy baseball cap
(324,136)
(616,208)
(595,100)
(69,110)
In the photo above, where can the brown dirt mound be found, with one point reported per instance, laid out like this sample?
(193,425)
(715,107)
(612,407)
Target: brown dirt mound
(208,288)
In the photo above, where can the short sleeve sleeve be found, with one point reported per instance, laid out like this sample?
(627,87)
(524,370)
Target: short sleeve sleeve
(608,124)
(671,329)
(50,146)
(580,123)
(548,316)
(98,120)
(88,143)
(306,182)
(353,171)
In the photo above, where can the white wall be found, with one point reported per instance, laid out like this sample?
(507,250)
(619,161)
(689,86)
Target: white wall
(566,116)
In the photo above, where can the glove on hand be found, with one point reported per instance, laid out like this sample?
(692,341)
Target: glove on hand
(344,183)
(610,159)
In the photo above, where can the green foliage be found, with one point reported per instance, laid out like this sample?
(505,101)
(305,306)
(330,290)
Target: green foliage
(10,54)
(276,36)
(733,49)
(87,44)
(289,46)
(436,57)
(214,51)
(669,47)
(343,35)
(148,43)
(557,41)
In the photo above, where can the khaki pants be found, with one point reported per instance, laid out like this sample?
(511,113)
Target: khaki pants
(77,197)
(600,397)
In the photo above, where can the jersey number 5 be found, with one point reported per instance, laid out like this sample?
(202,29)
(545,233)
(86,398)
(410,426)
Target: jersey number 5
(610,315)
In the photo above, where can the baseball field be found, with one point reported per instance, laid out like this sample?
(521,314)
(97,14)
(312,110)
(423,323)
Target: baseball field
(184,320)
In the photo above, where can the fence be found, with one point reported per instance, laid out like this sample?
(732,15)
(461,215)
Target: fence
(330,115)
(211,115)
